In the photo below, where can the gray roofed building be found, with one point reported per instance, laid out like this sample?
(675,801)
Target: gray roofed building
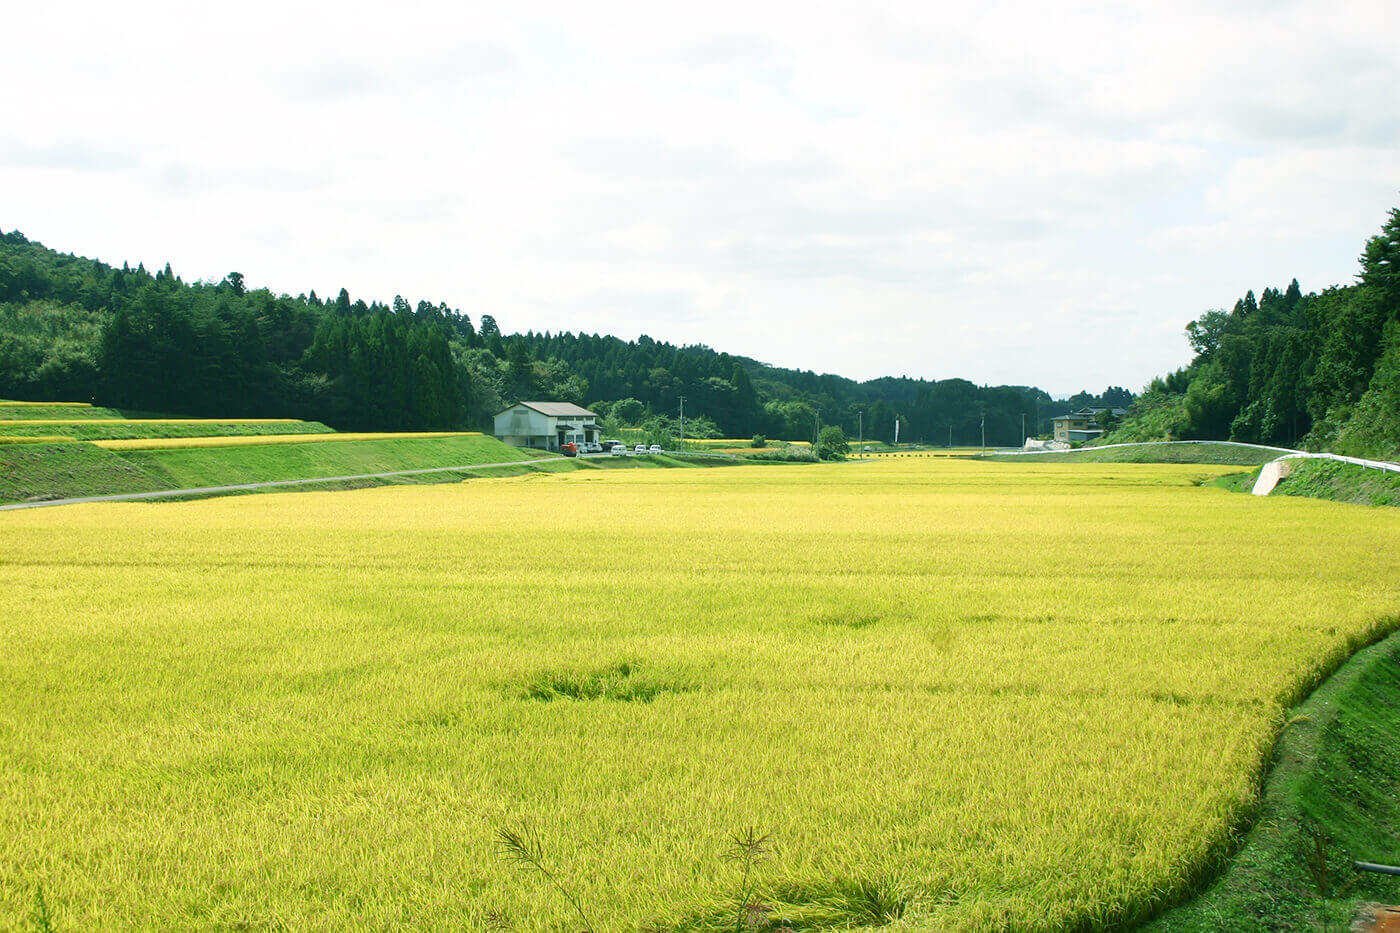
(559,409)
(546,425)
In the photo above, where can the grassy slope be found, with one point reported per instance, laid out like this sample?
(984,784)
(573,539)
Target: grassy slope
(59,471)
(218,466)
(1166,453)
(64,470)
(1332,797)
(1341,482)
(1326,479)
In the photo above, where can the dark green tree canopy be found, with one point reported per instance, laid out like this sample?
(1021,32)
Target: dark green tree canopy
(1291,368)
(80,329)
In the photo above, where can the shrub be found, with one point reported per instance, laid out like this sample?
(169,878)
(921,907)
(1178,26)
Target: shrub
(831,444)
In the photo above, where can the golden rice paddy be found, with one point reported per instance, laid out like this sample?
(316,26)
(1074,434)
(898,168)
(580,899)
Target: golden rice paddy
(959,695)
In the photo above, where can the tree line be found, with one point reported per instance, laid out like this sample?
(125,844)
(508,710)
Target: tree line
(1319,370)
(73,328)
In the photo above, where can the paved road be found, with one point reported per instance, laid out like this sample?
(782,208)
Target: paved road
(205,490)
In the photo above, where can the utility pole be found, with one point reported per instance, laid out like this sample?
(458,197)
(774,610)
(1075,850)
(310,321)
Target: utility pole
(950,437)
(682,422)
(1023,429)
(861,443)
(984,432)
(896,432)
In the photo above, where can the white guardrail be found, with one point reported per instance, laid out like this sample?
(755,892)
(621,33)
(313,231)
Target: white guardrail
(1275,470)
(1269,477)
(1013,453)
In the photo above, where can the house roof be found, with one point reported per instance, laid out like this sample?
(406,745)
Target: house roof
(557,409)
(1084,413)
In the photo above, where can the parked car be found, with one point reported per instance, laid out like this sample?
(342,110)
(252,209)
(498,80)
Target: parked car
(619,450)
(593,447)
(654,449)
(569,450)
(612,445)
(640,449)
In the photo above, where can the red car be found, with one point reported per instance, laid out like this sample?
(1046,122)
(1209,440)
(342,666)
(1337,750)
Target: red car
(569,450)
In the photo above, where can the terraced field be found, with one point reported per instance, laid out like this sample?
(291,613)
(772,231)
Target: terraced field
(98,452)
(959,695)
(262,440)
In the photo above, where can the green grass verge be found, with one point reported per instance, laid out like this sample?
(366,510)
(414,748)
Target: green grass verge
(1341,482)
(1332,797)
(61,471)
(189,467)
(415,479)
(1163,453)
(1235,482)
(72,470)
(1324,479)
(104,432)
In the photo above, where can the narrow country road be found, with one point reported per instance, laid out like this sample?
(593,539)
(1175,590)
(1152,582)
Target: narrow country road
(165,493)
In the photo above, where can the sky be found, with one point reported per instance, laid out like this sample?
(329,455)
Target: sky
(1008,192)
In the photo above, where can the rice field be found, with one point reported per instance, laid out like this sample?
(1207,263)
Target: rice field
(36,439)
(959,695)
(93,429)
(11,403)
(10,409)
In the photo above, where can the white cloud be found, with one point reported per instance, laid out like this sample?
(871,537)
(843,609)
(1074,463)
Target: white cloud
(1011,191)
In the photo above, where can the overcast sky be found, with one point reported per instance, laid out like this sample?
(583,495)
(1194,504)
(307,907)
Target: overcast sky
(1008,192)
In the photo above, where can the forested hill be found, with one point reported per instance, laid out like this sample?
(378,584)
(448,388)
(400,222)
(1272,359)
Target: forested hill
(78,329)
(1287,368)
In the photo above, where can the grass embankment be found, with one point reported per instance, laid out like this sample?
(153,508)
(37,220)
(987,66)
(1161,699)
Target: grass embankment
(1340,482)
(1332,797)
(218,466)
(1325,479)
(1242,454)
(258,440)
(51,471)
(69,470)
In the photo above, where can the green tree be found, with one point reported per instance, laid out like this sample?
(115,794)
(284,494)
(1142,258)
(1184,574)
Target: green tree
(628,411)
(831,443)
(1380,261)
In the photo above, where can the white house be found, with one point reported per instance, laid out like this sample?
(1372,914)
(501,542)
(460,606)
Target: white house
(546,425)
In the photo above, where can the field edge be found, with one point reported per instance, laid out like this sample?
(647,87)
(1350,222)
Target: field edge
(1269,877)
